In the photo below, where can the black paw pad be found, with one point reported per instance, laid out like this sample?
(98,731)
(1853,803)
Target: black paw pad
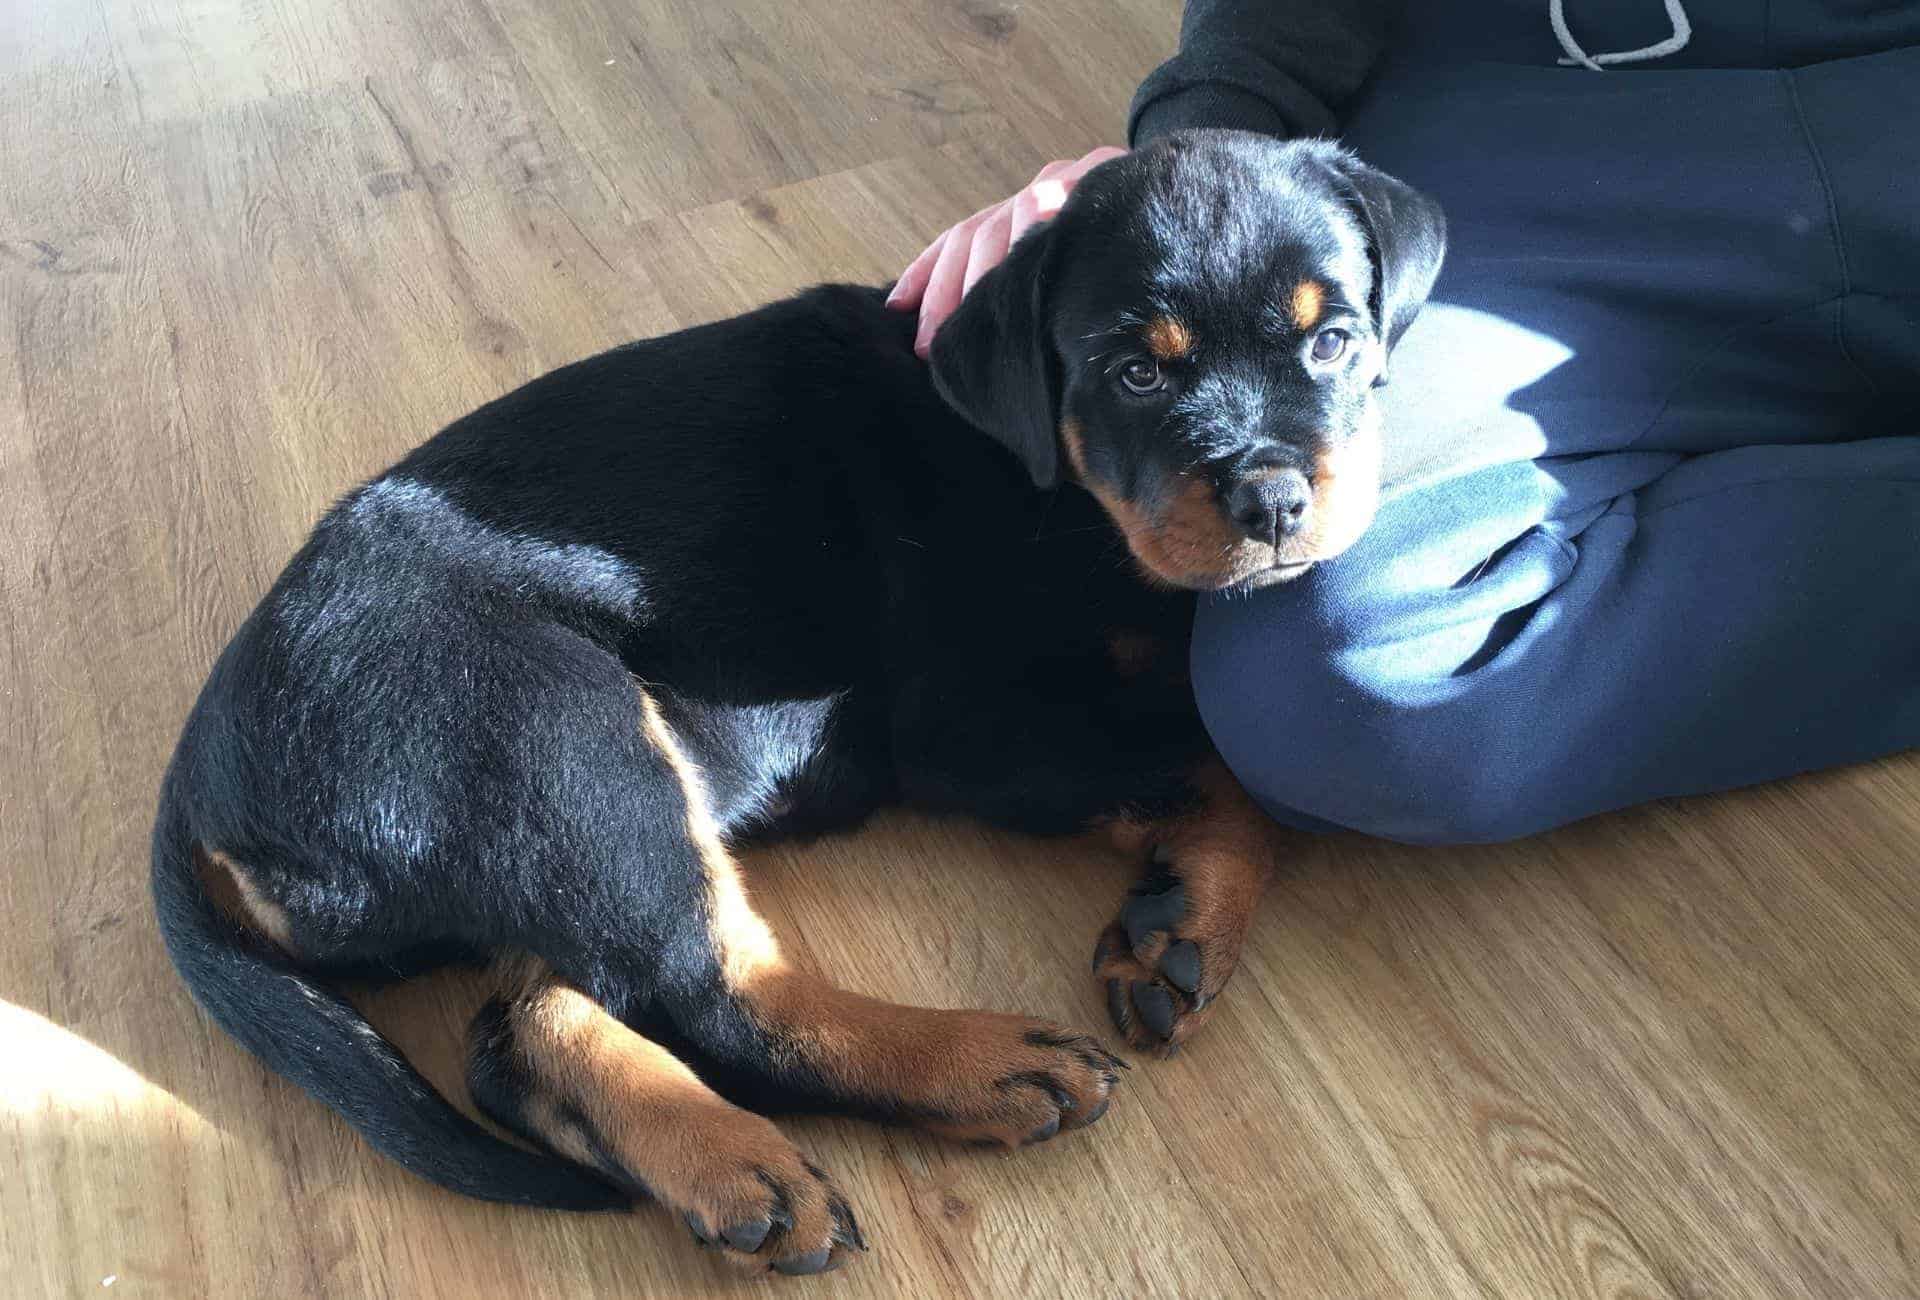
(811,1262)
(1156,1007)
(747,1237)
(1180,963)
(1146,913)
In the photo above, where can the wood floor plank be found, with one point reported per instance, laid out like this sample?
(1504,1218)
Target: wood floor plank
(681,103)
(251,251)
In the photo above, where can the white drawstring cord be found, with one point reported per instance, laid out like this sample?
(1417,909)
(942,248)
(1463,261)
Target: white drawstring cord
(1577,57)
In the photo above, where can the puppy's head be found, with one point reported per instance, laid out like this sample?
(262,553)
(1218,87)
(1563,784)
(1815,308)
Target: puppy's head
(1198,335)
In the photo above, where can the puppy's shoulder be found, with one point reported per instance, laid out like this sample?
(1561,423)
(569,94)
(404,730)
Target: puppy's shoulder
(856,317)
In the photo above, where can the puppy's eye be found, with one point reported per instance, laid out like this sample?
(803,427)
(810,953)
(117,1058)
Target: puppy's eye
(1142,375)
(1329,345)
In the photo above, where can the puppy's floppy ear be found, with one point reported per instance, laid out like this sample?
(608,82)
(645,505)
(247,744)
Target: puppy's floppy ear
(1408,237)
(994,364)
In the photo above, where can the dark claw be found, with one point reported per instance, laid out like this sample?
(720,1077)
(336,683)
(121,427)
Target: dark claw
(811,1262)
(747,1237)
(1156,1007)
(1181,965)
(1096,1112)
(1045,1131)
(1149,912)
(1044,1082)
(846,1228)
(698,1227)
(1117,1005)
(1107,947)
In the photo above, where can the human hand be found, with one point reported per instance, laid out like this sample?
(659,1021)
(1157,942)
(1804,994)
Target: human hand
(942,275)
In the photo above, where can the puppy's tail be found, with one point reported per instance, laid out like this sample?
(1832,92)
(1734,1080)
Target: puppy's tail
(316,1038)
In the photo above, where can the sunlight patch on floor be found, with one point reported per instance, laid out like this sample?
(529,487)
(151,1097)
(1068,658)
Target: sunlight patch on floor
(44,1068)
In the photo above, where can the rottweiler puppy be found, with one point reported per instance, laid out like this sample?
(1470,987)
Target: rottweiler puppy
(518,700)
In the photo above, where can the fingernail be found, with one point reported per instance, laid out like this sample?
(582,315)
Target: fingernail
(893,295)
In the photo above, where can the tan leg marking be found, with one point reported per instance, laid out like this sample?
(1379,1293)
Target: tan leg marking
(973,1075)
(1185,945)
(232,889)
(598,1092)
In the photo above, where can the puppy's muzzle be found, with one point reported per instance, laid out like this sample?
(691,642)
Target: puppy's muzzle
(1269,506)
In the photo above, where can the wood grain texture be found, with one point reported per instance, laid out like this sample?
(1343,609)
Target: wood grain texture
(251,252)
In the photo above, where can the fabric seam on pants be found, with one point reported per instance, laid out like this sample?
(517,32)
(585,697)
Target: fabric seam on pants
(1833,220)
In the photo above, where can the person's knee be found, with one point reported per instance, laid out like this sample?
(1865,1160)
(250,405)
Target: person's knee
(1319,731)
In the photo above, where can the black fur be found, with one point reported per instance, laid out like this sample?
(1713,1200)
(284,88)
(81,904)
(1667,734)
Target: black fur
(1406,238)
(427,739)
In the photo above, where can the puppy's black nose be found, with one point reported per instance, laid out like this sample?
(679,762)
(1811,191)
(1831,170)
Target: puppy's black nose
(1269,507)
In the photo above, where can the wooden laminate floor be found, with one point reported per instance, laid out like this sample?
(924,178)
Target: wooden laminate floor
(250,250)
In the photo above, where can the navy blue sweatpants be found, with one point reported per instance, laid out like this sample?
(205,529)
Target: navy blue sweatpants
(1654,514)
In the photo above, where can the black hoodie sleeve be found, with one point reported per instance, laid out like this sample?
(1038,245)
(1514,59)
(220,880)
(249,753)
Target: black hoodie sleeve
(1285,67)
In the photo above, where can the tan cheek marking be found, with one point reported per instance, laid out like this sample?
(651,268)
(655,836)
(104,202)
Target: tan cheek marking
(1192,541)
(1168,338)
(1346,492)
(1194,531)
(1073,437)
(1144,539)
(233,891)
(1309,300)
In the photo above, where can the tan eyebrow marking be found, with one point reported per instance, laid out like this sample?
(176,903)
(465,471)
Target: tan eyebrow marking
(1309,300)
(1168,338)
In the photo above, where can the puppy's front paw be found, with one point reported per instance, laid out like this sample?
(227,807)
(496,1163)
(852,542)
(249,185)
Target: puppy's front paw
(1163,961)
(1008,1081)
